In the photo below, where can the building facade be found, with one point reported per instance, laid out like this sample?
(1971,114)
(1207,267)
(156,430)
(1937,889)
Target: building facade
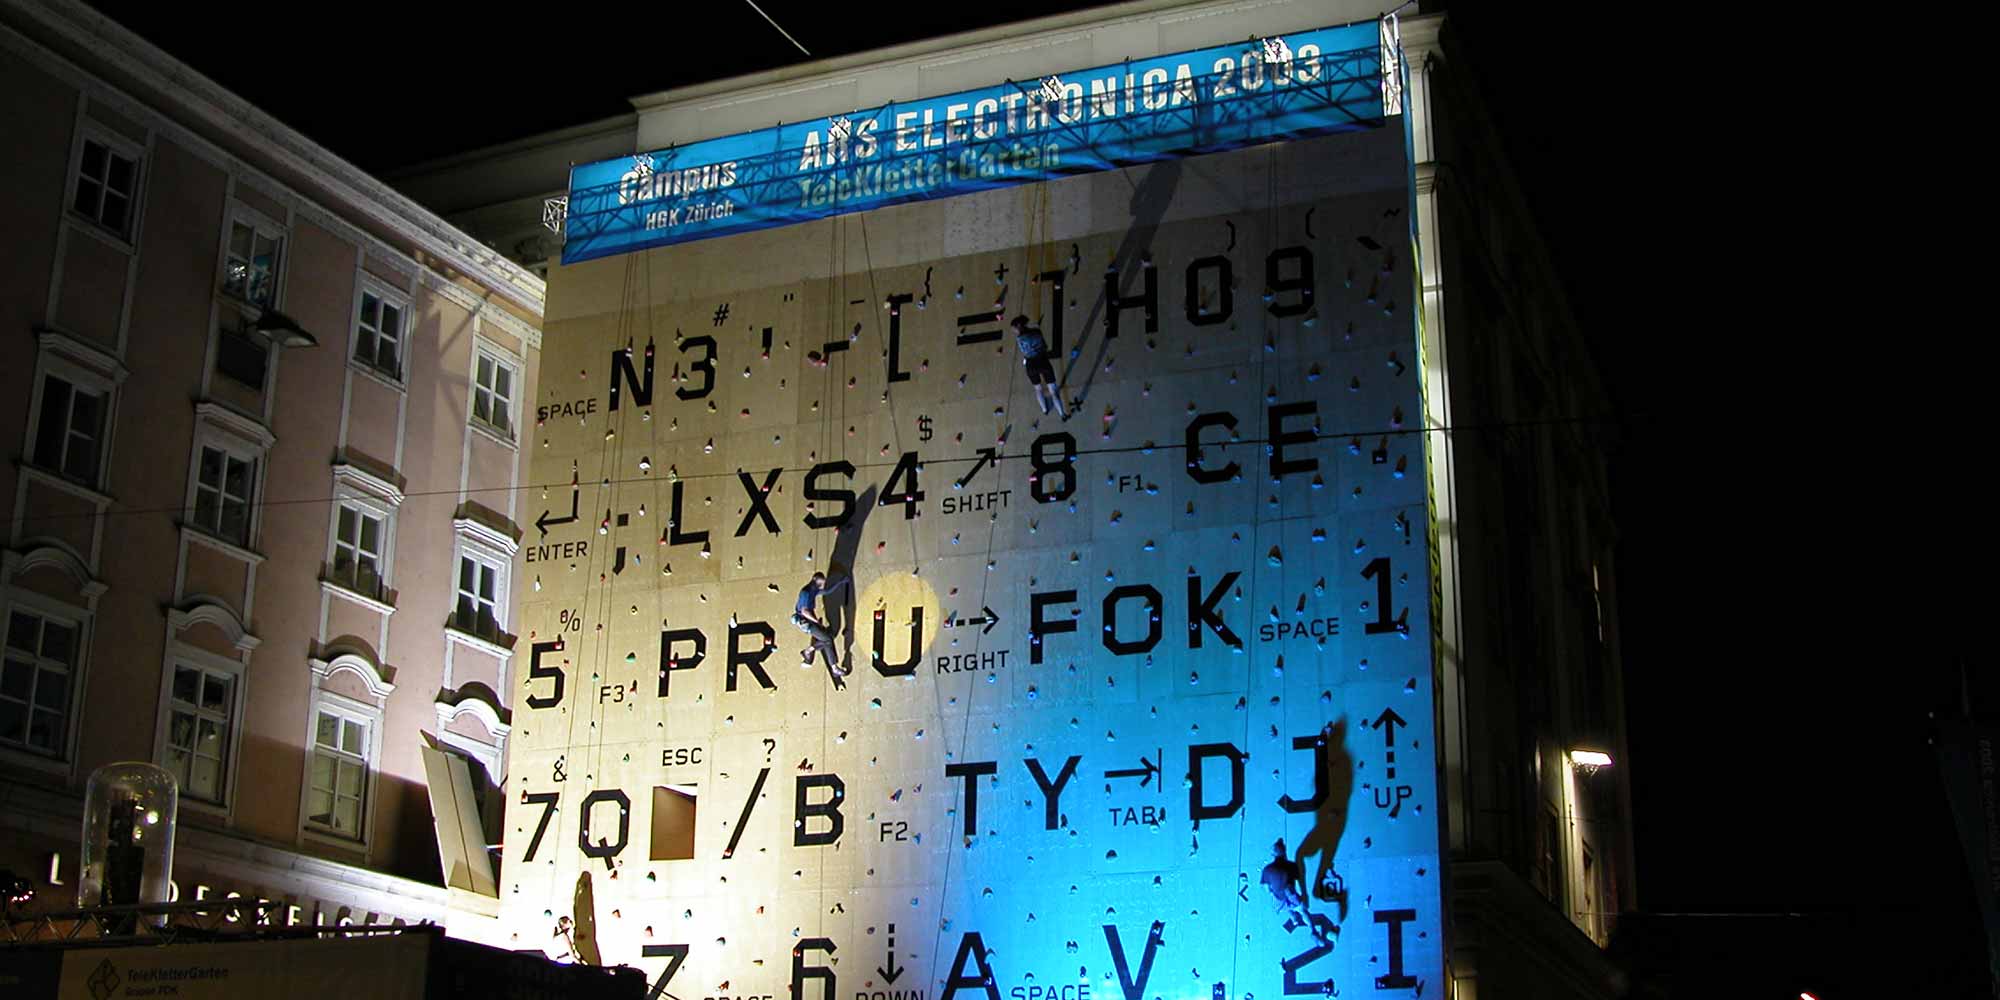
(799,347)
(262,500)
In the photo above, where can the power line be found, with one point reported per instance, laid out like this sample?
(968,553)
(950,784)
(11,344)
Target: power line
(774,24)
(1147,448)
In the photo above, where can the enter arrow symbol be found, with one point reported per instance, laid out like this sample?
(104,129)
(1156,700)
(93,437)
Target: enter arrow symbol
(542,523)
(890,974)
(1387,722)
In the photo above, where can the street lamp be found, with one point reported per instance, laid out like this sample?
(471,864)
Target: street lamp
(1588,761)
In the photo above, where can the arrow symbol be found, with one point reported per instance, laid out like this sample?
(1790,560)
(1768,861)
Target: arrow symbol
(1387,722)
(542,523)
(889,974)
(1144,772)
(986,457)
(991,619)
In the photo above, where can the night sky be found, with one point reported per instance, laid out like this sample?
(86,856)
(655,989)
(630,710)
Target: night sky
(1789,604)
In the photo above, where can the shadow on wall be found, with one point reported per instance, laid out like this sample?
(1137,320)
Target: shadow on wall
(846,548)
(1150,199)
(1330,820)
(267,805)
(413,851)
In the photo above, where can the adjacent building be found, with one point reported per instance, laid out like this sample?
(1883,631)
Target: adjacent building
(263,491)
(845,342)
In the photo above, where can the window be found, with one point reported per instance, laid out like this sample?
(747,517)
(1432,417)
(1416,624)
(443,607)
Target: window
(493,395)
(1592,919)
(339,786)
(69,435)
(673,823)
(35,682)
(1547,873)
(107,183)
(378,335)
(484,551)
(477,611)
(242,356)
(358,548)
(222,494)
(250,263)
(201,707)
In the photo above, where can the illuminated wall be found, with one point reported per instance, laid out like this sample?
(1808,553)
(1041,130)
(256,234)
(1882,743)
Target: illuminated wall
(1100,665)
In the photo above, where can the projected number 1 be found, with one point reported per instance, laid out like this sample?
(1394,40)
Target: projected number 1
(1385,620)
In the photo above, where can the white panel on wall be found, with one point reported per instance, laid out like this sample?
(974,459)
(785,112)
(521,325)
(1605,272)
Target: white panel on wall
(1096,674)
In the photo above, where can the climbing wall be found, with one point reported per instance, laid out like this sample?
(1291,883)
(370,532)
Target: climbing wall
(1100,665)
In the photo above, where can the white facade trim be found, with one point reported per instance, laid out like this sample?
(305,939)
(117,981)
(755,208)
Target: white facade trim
(178,652)
(230,115)
(58,342)
(487,312)
(488,716)
(453,633)
(348,476)
(372,718)
(13,564)
(218,615)
(250,430)
(496,544)
(374,678)
(942,65)
(82,376)
(372,604)
(126,242)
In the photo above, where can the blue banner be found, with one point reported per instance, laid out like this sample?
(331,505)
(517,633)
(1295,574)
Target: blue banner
(1224,97)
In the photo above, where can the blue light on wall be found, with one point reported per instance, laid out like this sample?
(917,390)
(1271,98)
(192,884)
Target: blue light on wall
(1101,665)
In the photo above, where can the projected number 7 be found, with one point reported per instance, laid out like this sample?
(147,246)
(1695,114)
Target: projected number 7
(547,800)
(676,954)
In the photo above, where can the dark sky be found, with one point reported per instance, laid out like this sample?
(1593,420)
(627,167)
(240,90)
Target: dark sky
(1786,591)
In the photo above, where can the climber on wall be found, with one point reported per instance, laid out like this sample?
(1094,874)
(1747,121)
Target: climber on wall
(806,617)
(1287,883)
(1035,358)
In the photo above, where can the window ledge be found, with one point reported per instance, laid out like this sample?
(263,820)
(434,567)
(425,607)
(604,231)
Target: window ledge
(378,375)
(191,533)
(57,481)
(213,810)
(63,343)
(248,428)
(116,240)
(484,645)
(343,591)
(493,434)
(32,761)
(320,835)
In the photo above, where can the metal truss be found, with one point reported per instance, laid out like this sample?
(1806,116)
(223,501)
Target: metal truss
(1348,91)
(208,920)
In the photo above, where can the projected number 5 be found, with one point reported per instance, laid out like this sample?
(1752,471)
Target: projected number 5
(537,671)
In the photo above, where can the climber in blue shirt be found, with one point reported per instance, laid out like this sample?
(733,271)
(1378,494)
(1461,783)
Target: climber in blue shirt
(1035,358)
(806,617)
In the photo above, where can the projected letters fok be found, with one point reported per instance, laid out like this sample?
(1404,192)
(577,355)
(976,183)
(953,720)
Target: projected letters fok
(1099,666)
